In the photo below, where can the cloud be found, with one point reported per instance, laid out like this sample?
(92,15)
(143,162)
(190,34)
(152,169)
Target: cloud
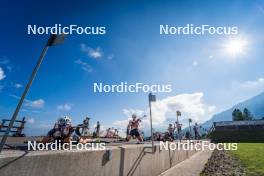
(4,60)
(129,112)
(31,103)
(31,111)
(14,96)
(244,90)
(84,65)
(38,127)
(211,108)
(35,104)
(30,120)
(253,84)
(121,123)
(64,107)
(95,53)
(194,63)
(17,85)
(190,105)
(90,52)
(2,74)
(43,125)
(110,57)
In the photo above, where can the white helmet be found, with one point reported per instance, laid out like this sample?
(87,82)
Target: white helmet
(67,120)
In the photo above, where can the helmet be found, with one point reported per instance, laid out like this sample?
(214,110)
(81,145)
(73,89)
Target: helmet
(134,116)
(67,120)
(86,120)
(61,121)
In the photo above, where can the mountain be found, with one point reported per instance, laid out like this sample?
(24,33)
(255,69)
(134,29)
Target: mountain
(254,104)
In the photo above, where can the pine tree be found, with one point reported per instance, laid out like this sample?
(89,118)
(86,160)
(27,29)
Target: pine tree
(247,114)
(237,115)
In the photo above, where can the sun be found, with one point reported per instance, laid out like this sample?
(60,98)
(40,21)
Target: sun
(236,47)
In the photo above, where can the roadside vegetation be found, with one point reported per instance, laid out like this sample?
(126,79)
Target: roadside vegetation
(221,163)
(251,156)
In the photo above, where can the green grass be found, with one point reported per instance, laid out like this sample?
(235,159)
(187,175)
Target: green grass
(251,156)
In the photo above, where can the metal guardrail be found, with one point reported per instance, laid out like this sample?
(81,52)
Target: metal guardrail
(17,130)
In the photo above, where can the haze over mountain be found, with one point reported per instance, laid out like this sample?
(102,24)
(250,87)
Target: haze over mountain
(254,104)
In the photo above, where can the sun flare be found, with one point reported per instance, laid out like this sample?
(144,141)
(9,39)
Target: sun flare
(236,47)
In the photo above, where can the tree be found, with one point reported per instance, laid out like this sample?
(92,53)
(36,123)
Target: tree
(237,115)
(247,114)
(234,115)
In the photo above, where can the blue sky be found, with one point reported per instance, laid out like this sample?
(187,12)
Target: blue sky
(206,78)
